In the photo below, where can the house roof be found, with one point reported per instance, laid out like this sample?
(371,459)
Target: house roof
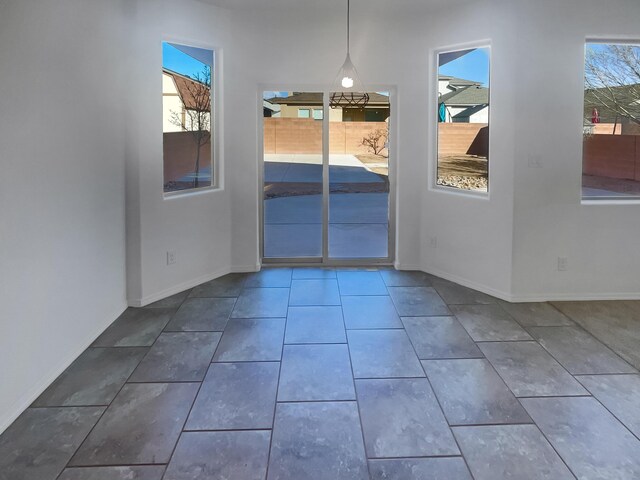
(468,96)
(458,81)
(188,89)
(270,106)
(628,95)
(309,98)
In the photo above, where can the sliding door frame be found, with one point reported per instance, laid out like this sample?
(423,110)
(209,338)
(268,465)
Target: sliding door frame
(324,259)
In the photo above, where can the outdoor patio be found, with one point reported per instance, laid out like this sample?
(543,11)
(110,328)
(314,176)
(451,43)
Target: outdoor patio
(358,208)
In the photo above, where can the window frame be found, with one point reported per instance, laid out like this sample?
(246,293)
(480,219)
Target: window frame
(604,199)
(217,182)
(434,97)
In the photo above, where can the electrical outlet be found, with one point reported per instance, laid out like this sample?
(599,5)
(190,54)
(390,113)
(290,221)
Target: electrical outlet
(171,257)
(563,264)
(433,242)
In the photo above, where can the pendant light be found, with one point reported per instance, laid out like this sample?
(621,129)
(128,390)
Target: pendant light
(348,90)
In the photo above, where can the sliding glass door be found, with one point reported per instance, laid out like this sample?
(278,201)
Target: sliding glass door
(292,204)
(326,189)
(359,180)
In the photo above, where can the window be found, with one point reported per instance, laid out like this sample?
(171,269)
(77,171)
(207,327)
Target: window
(304,113)
(187,94)
(611,143)
(318,114)
(463,119)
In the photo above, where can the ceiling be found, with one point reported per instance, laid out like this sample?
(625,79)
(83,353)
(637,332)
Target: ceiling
(329,4)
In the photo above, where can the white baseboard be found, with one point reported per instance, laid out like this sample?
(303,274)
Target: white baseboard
(573,297)
(7,418)
(246,268)
(533,297)
(406,266)
(470,284)
(154,297)
(141,302)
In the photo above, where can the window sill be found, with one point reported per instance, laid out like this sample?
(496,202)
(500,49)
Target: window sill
(191,192)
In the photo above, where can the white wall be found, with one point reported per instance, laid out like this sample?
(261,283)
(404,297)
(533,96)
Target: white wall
(473,234)
(171,104)
(480,117)
(304,49)
(601,242)
(62,235)
(82,67)
(508,245)
(196,226)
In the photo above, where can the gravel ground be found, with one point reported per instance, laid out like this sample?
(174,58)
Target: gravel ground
(467,172)
(478,184)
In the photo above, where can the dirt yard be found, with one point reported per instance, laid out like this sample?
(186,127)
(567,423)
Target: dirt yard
(615,185)
(468,172)
(376,163)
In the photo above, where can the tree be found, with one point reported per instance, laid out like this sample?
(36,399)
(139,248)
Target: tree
(196,115)
(612,80)
(376,141)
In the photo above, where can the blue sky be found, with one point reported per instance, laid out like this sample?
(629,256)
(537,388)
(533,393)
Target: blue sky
(180,62)
(270,94)
(472,66)
(596,47)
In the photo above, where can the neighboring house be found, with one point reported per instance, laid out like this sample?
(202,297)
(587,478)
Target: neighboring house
(447,84)
(177,99)
(602,99)
(465,101)
(269,109)
(309,105)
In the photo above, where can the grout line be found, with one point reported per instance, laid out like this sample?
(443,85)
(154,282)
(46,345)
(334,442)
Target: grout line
(525,397)
(243,288)
(374,328)
(610,412)
(228,360)
(337,400)
(170,382)
(186,418)
(589,334)
(286,402)
(192,331)
(275,403)
(439,404)
(414,457)
(44,407)
(224,430)
(531,340)
(74,467)
(550,444)
(493,424)
(112,400)
(355,390)
(440,359)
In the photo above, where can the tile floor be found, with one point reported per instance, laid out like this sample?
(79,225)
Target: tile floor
(295,374)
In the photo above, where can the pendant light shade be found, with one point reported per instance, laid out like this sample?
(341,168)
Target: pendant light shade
(348,90)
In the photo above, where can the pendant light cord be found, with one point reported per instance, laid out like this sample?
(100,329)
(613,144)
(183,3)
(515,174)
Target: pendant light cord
(348,23)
